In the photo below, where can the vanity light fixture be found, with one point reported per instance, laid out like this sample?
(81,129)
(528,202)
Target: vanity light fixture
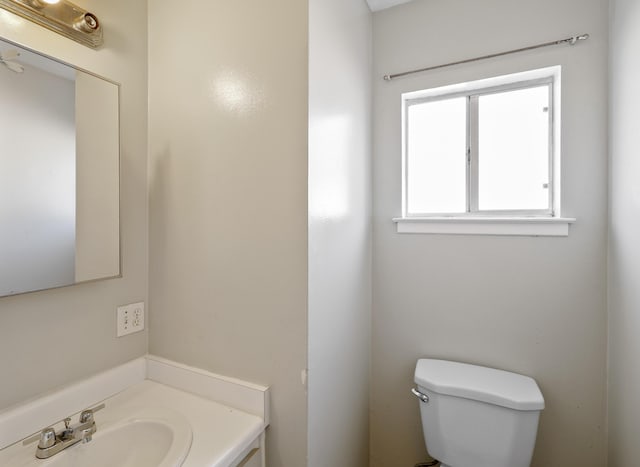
(60,16)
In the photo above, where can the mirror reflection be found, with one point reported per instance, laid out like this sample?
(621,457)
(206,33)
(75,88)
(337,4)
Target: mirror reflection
(59,174)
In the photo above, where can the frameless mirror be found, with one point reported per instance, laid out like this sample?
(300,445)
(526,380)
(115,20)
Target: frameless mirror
(59,173)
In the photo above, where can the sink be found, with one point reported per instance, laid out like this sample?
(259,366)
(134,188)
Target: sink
(149,438)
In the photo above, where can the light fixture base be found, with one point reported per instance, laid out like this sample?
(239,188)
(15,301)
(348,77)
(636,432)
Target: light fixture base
(63,17)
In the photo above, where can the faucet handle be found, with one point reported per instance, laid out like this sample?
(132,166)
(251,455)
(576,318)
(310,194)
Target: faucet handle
(46,438)
(87,414)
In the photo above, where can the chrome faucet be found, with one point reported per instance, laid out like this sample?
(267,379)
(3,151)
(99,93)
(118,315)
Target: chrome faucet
(51,443)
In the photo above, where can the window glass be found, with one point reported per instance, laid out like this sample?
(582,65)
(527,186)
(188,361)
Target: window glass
(436,156)
(513,150)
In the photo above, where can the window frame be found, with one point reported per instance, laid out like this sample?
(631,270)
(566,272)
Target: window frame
(472,91)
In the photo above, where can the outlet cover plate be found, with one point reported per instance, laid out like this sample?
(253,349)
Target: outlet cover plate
(130,319)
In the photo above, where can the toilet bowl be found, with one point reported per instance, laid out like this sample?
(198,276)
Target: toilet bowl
(474,416)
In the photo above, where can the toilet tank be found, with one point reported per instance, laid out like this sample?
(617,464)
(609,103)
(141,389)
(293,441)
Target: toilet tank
(478,416)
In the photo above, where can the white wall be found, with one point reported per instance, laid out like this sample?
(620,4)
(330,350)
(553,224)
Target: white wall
(624,253)
(531,305)
(38,330)
(37,189)
(339,232)
(228,198)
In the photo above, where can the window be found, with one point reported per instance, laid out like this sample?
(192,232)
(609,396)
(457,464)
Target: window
(483,150)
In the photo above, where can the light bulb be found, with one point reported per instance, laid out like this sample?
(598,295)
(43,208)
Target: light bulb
(51,2)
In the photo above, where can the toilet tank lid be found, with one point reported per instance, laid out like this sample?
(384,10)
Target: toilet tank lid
(479,383)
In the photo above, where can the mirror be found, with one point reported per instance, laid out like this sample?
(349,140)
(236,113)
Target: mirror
(59,173)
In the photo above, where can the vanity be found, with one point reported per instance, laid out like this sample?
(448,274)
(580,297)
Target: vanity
(149,412)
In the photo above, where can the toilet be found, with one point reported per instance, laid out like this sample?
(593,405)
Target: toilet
(474,416)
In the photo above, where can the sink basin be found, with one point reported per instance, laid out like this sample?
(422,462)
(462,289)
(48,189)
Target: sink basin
(149,438)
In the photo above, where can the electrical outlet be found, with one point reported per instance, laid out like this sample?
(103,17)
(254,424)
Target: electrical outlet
(130,319)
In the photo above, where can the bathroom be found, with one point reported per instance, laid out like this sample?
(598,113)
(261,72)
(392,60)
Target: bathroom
(260,171)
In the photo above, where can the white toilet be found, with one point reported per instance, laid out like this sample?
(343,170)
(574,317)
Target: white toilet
(474,416)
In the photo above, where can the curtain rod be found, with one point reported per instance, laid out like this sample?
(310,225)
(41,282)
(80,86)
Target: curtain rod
(569,40)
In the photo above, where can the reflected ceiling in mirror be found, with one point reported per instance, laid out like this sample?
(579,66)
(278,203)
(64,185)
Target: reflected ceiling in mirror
(59,173)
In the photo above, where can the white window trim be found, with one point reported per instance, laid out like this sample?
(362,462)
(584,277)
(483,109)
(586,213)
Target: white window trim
(547,224)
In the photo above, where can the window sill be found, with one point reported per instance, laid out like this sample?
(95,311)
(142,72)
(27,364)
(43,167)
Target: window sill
(524,226)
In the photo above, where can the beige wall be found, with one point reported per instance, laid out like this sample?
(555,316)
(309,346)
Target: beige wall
(51,338)
(339,232)
(531,305)
(624,253)
(228,198)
